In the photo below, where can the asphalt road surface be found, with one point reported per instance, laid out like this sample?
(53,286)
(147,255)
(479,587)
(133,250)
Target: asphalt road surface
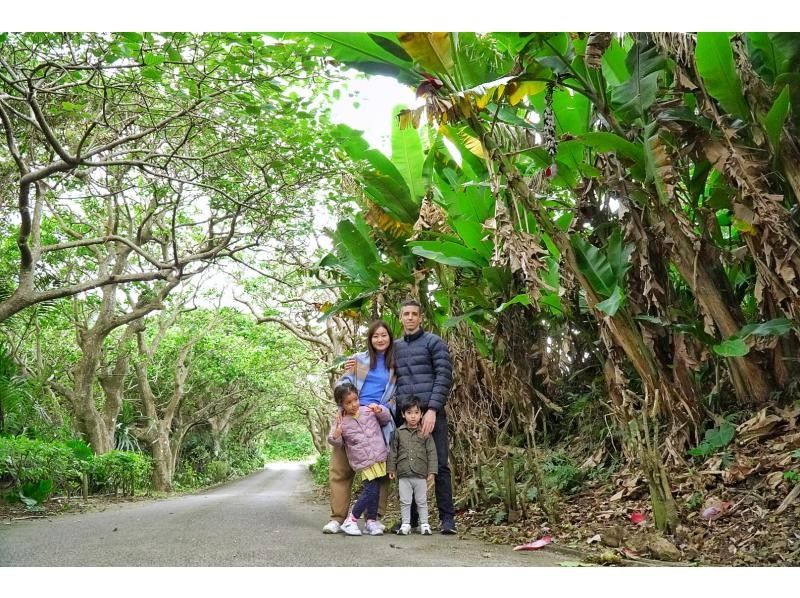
(268,519)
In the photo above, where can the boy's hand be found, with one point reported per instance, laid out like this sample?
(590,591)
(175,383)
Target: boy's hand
(430,481)
(391,476)
(374,407)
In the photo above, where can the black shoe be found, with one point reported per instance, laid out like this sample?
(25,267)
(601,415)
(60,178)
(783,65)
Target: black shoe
(448,526)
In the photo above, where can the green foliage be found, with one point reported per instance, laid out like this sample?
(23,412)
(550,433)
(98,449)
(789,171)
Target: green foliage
(319,469)
(562,474)
(37,468)
(29,462)
(715,440)
(791,476)
(245,459)
(121,471)
(218,471)
(288,444)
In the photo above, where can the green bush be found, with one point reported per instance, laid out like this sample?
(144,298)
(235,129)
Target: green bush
(121,471)
(288,445)
(40,465)
(561,474)
(244,459)
(319,469)
(188,477)
(218,471)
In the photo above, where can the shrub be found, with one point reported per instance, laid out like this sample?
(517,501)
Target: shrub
(244,459)
(561,474)
(121,471)
(218,471)
(319,469)
(39,467)
(288,445)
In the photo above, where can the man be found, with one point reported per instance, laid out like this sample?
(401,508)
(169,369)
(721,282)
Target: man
(424,370)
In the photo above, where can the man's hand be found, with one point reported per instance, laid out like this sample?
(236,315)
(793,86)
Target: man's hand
(428,421)
(350,366)
(391,476)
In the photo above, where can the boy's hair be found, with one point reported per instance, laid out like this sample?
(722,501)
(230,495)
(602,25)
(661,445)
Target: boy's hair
(411,301)
(341,391)
(410,402)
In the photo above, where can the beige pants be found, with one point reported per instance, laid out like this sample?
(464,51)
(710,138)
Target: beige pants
(340,479)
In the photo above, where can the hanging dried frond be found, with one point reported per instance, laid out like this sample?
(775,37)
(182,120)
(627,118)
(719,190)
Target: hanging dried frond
(596,46)
(662,163)
(431,218)
(456,107)
(678,46)
(390,227)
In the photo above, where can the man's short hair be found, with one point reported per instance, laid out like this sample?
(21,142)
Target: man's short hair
(341,392)
(411,301)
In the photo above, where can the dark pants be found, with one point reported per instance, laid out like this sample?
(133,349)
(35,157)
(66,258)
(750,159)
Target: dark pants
(368,499)
(444,482)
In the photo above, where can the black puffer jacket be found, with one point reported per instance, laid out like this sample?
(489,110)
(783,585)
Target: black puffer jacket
(423,368)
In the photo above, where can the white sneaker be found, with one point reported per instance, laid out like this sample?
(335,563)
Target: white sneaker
(425,529)
(332,527)
(350,527)
(373,528)
(380,525)
(404,529)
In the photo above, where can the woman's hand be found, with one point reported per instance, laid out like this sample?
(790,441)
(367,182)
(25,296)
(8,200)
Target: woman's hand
(430,481)
(350,366)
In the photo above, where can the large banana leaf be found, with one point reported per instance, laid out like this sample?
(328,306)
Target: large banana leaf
(604,141)
(474,236)
(384,184)
(432,51)
(447,252)
(773,121)
(594,265)
(613,64)
(631,99)
(356,253)
(407,156)
(714,59)
(370,53)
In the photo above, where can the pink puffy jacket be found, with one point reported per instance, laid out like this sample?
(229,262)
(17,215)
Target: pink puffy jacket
(362,436)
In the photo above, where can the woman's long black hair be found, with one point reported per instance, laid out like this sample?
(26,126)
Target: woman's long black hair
(388,355)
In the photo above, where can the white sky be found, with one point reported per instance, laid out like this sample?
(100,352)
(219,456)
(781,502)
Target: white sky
(376,97)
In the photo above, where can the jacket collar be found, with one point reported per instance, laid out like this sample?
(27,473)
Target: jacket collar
(412,337)
(405,427)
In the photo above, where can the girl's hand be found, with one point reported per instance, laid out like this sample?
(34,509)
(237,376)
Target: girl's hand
(337,431)
(374,407)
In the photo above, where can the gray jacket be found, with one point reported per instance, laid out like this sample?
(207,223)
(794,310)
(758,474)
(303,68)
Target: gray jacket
(410,455)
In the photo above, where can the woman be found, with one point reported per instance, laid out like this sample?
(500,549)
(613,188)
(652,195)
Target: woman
(374,378)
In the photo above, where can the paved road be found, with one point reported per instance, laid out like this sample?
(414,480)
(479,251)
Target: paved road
(265,519)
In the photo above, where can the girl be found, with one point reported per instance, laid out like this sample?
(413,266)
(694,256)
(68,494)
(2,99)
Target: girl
(372,373)
(358,428)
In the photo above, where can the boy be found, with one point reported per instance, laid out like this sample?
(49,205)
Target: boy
(412,459)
